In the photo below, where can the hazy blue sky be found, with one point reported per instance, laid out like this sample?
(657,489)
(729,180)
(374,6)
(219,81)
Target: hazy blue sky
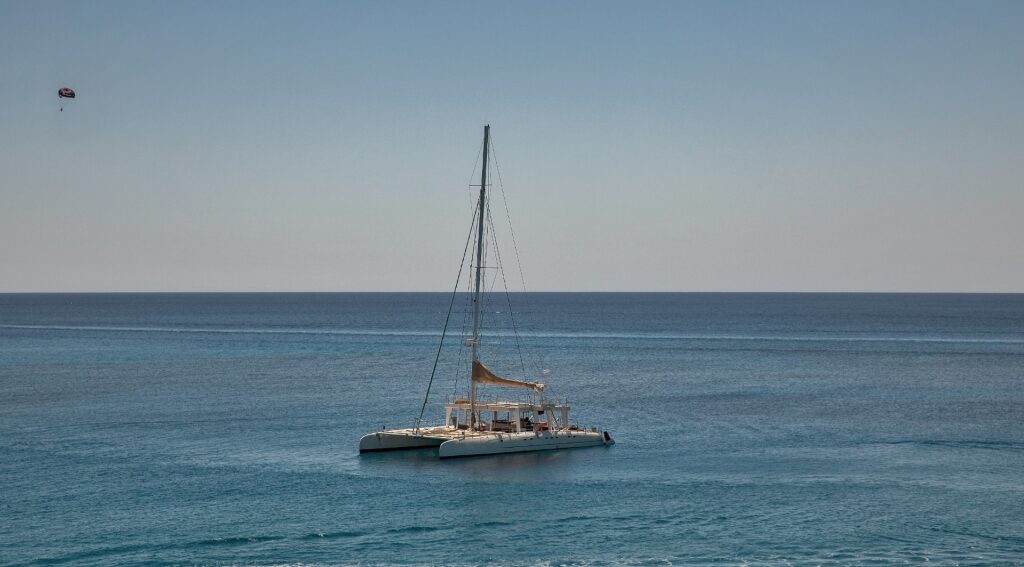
(846,146)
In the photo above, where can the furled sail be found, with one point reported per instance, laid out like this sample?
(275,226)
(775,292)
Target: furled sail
(483,374)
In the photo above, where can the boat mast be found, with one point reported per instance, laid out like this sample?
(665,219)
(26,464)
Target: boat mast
(479,270)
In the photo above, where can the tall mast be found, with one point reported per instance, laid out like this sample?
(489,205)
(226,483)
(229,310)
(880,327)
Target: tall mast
(479,270)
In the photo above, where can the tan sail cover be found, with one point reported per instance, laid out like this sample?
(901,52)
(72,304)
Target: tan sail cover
(483,374)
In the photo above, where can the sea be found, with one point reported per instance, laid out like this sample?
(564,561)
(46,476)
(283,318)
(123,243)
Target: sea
(751,429)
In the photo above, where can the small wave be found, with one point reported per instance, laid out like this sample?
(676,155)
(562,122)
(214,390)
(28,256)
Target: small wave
(1012,539)
(95,554)
(579,518)
(114,551)
(493,524)
(333,535)
(414,530)
(963,444)
(237,540)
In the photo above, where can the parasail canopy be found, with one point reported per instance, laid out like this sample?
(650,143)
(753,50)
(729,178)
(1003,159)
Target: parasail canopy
(65,92)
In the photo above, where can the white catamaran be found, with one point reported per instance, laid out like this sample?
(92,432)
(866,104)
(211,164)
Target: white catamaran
(473,426)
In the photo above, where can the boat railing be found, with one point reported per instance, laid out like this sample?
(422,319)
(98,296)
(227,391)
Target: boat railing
(483,399)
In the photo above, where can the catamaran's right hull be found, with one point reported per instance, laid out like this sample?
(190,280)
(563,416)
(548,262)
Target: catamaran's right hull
(495,444)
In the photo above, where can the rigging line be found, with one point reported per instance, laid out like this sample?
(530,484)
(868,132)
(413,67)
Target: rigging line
(460,360)
(508,298)
(462,348)
(469,184)
(485,298)
(446,319)
(487,289)
(468,304)
(470,296)
(508,216)
(515,246)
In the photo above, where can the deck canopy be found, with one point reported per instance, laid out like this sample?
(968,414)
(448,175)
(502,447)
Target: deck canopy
(484,375)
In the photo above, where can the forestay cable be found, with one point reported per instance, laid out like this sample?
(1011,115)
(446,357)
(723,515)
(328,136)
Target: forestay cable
(447,318)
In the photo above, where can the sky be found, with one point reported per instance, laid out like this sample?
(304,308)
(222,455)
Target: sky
(643,146)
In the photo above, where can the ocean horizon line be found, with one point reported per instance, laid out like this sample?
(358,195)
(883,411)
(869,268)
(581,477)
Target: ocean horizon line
(580,292)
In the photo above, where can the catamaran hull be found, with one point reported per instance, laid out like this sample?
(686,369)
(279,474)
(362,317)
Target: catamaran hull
(387,441)
(521,442)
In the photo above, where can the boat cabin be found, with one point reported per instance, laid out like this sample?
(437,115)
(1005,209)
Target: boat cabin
(509,417)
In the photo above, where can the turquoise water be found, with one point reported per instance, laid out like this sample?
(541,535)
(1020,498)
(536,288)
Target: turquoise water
(752,429)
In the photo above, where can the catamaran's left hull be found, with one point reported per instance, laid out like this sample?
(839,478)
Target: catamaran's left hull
(397,441)
(495,444)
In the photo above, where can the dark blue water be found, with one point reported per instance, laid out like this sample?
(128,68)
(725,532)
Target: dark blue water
(752,429)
